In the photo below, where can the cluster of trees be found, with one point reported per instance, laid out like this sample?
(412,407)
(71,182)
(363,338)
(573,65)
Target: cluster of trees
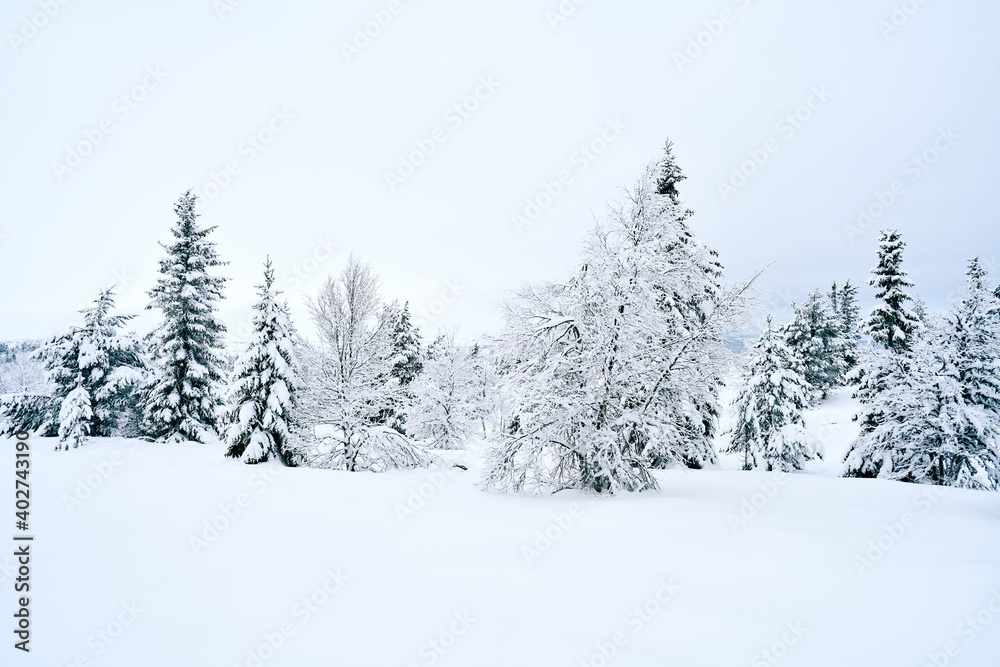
(595,382)
(367,395)
(929,385)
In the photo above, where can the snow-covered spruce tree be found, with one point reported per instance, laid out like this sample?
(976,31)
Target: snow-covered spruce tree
(847,310)
(406,344)
(892,323)
(407,366)
(448,394)
(103,361)
(921,428)
(182,392)
(261,393)
(770,432)
(816,336)
(974,324)
(700,409)
(892,326)
(76,418)
(604,371)
(347,386)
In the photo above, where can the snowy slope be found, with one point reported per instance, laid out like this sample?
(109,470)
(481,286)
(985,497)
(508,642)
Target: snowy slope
(678,577)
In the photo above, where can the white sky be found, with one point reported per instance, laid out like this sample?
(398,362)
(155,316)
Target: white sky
(323,176)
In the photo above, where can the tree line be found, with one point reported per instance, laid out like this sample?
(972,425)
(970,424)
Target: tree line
(596,380)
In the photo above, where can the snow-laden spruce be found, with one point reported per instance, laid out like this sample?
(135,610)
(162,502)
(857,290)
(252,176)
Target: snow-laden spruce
(448,394)
(407,366)
(975,326)
(932,417)
(770,433)
(615,371)
(98,358)
(893,322)
(892,327)
(844,304)
(924,429)
(816,336)
(261,393)
(348,389)
(182,392)
(76,417)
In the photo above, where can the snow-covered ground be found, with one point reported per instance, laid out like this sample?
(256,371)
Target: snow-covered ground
(423,568)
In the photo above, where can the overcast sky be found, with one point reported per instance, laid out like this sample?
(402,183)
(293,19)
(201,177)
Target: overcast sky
(155,98)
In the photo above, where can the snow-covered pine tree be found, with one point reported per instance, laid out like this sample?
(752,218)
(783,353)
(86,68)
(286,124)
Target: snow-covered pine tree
(699,417)
(406,344)
(974,324)
(448,394)
(770,432)
(347,386)
(261,393)
(407,365)
(848,311)
(182,393)
(892,323)
(920,427)
(892,326)
(816,336)
(102,360)
(75,418)
(605,372)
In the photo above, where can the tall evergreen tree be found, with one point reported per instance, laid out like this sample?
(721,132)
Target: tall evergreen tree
(698,420)
(848,310)
(261,394)
(181,395)
(406,344)
(103,361)
(920,427)
(892,323)
(816,336)
(975,328)
(770,431)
